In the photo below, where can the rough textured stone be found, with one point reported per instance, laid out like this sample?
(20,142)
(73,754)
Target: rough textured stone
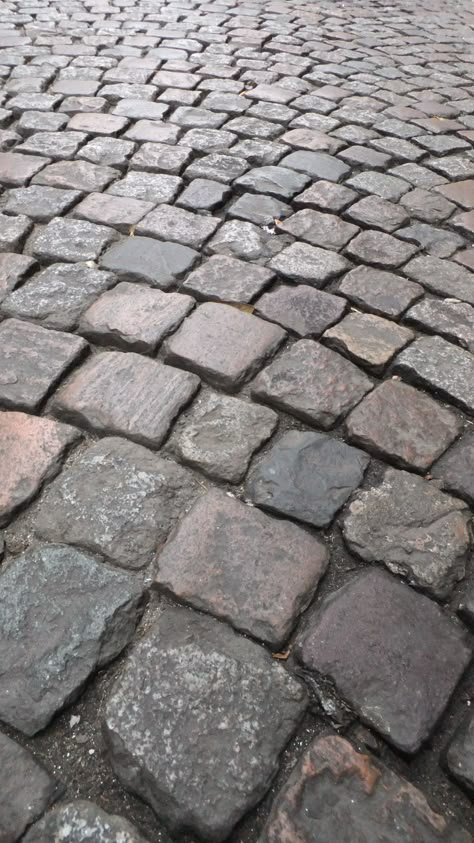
(460,754)
(17,169)
(27,789)
(443,277)
(222,344)
(126,394)
(307,476)
(259,209)
(380,249)
(313,383)
(13,269)
(145,259)
(381,292)
(30,452)
(41,204)
(220,434)
(368,340)
(117,211)
(319,229)
(404,661)
(169,223)
(301,309)
(378,213)
(148,187)
(84,822)
(71,240)
(326,196)
(226,279)
(279,182)
(308,264)
(13,232)
(413,528)
(455,469)
(57,296)
(244,240)
(233,561)
(134,317)
(32,360)
(119,500)
(316,165)
(167,756)
(402,424)
(335,793)
(453,320)
(434,241)
(76,175)
(64,615)
(442,367)
(204,195)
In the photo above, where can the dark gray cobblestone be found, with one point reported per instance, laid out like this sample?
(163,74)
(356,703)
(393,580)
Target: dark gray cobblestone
(274,200)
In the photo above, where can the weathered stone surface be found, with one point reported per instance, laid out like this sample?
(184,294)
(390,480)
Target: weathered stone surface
(204,195)
(259,209)
(32,360)
(64,615)
(319,229)
(313,383)
(149,187)
(220,434)
(76,175)
(308,264)
(316,165)
(442,367)
(455,469)
(56,297)
(335,793)
(238,564)
(84,822)
(41,204)
(402,424)
(167,756)
(453,320)
(378,213)
(274,181)
(244,240)
(435,241)
(13,269)
(307,476)
(404,661)
(17,169)
(30,452)
(227,279)
(443,277)
(117,211)
(427,205)
(326,196)
(368,340)
(145,259)
(134,317)
(27,789)
(461,192)
(169,223)
(13,232)
(460,754)
(380,249)
(301,309)
(413,528)
(119,500)
(126,394)
(71,240)
(379,291)
(222,344)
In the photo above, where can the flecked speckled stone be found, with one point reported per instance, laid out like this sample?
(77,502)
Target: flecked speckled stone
(226,279)
(84,822)
(368,340)
(308,264)
(71,240)
(442,367)
(301,309)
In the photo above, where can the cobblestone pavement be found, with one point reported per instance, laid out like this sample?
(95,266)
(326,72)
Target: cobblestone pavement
(236,425)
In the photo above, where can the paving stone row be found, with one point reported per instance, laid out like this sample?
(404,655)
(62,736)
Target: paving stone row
(236,421)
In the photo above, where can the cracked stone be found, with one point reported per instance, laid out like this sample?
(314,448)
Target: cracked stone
(441,367)
(145,259)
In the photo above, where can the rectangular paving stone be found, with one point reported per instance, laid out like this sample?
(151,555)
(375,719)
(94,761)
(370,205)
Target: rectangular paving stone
(161,158)
(154,132)
(76,175)
(149,187)
(281,182)
(170,223)
(368,340)
(115,211)
(145,259)
(212,562)
(313,383)
(126,394)
(379,291)
(405,659)
(33,360)
(71,240)
(134,317)
(307,264)
(452,320)
(380,249)
(222,344)
(98,124)
(440,367)
(41,204)
(17,169)
(318,229)
(227,279)
(443,277)
(301,309)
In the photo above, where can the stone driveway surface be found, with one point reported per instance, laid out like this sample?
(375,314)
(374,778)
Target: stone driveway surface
(236,421)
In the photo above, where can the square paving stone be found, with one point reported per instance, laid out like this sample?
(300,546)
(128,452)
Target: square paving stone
(126,394)
(71,240)
(316,165)
(379,291)
(413,528)
(404,661)
(227,279)
(308,264)
(40,203)
(319,229)
(150,187)
(301,309)
(56,297)
(279,182)
(378,213)
(13,232)
(27,789)
(32,360)
(313,383)
(307,476)
(441,367)
(380,249)
(167,755)
(368,340)
(31,451)
(402,424)
(455,469)
(76,175)
(223,345)
(460,754)
(177,225)
(74,616)
(236,563)
(17,169)
(13,269)
(331,781)
(146,259)
(116,211)
(453,320)
(118,500)
(219,435)
(134,317)
(72,820)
